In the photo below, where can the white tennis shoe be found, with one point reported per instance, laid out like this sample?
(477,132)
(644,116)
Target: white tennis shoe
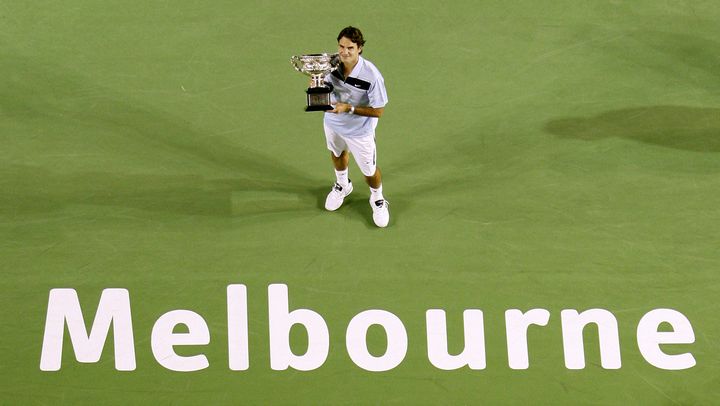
(381,214)
(337,195)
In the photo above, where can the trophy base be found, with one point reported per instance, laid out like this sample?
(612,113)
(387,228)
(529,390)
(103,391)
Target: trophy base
(318,99)
(318,108)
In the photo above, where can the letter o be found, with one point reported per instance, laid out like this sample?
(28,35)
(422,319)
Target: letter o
(356,340)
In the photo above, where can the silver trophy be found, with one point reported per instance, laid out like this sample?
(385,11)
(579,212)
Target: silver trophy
(317,66)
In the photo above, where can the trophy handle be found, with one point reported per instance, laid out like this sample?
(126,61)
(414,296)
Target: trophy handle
(294,60)
(335,61)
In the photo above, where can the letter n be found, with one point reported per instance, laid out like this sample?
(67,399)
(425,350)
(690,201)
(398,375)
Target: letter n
(573,324)
(64,307)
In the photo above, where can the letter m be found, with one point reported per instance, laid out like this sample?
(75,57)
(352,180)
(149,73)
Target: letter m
(64,307)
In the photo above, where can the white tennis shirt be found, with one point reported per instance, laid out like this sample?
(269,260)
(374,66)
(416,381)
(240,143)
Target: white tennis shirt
(364,86)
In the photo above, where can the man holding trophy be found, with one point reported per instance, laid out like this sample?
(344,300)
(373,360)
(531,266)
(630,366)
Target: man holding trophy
(354,99)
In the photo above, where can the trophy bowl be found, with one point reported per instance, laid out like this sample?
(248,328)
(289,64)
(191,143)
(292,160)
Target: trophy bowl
(317,66)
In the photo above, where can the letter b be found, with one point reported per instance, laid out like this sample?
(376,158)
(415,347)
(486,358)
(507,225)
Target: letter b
(281,321)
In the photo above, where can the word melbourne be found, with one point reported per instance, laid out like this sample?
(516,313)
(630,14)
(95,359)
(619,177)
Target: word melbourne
(114,309)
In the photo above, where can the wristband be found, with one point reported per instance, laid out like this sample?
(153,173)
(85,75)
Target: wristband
(352,109)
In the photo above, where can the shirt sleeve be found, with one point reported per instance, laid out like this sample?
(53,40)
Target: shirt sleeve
(377,93)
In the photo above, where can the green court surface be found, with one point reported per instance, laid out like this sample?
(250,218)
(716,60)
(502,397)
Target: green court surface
(536,155)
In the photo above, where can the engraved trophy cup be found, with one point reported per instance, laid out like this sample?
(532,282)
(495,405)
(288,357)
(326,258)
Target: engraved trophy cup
(317,66)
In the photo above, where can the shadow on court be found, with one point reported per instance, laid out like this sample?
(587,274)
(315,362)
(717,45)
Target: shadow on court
(50,112)
(678,127)
(32,190)
(356,205)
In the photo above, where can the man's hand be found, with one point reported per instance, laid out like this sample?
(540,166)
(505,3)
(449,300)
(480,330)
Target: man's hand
(340,108)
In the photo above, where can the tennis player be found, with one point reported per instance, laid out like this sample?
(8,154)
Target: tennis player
(359,98)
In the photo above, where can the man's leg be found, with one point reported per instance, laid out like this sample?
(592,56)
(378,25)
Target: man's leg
(376,193)
(340,162)
(341,167)
(381,214)
(365,153)
(374,181)
(342,186)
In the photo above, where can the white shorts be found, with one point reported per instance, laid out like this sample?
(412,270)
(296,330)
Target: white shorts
(362,149)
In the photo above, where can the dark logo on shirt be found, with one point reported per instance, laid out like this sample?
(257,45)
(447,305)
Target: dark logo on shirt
(357,83)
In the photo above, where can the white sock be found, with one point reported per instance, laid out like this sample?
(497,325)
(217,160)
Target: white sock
(342,177)
(376,194)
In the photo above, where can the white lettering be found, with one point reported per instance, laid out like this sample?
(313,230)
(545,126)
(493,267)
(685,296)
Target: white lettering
(473,355)
(573,324)
(397,342)
(64,306)
(163,340)
(281,356)
(237,317)
(649,339)
(516,326)
(656,328)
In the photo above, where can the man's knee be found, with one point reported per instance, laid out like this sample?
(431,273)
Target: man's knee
(373,174)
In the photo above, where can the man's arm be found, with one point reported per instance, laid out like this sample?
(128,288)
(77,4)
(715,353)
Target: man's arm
(365,111)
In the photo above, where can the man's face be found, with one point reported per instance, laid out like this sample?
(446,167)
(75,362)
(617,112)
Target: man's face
(349,51)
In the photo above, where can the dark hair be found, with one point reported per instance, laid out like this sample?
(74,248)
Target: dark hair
(353,34)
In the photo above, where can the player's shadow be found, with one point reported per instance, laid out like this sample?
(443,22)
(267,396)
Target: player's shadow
(679,127)
(356,205)
(235,180)
(30,190)
(359,204)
